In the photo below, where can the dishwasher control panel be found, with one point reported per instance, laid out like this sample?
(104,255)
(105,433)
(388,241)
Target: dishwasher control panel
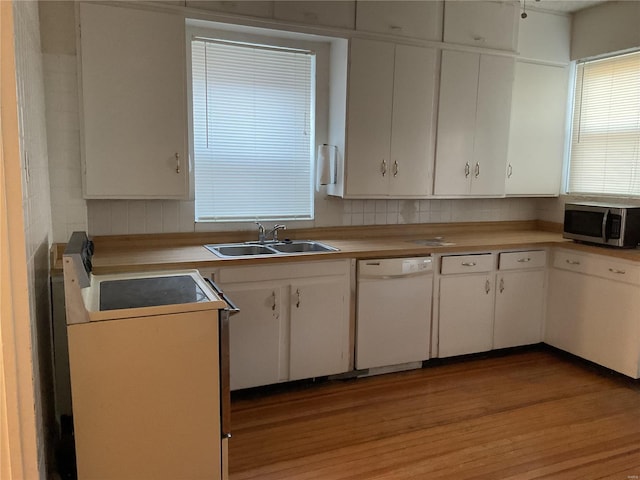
(391,267)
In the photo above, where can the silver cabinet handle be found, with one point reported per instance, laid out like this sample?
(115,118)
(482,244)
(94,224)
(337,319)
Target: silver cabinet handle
(383,167)
(487,287)
(177,162)
(297,298)
(468,264)
(524,260)
(467,169)
(501,285)
(274,304)
(477,170)
(509,171)
(572,262)
(615,270)
(395,168)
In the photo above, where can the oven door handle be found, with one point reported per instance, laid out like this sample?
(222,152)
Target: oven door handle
(231,307)
(225,381)
(605,218)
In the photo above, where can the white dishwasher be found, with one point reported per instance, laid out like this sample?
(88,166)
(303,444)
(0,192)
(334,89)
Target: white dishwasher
(393,323)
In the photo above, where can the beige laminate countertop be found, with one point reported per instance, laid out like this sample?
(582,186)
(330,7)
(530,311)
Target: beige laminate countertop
(147,253)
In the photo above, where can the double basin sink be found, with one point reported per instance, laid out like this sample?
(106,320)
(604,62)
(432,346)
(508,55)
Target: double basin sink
(238,250)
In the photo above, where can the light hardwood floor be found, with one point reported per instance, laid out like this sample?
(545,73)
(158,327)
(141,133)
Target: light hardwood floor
(528,415)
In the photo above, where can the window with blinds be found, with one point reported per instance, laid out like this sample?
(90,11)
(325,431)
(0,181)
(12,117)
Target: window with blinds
(253,127)
(605,144)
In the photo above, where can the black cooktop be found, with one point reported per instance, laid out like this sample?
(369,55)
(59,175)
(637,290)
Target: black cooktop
(148,292)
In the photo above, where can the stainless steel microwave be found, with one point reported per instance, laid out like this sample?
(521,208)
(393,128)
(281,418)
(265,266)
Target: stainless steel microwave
(604,224)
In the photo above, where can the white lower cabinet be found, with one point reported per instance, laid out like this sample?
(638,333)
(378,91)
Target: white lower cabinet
(466,302)
(481,309)
(593,310)
(256,334)
(318,331)
(520,290)
(294,321)
(519,308)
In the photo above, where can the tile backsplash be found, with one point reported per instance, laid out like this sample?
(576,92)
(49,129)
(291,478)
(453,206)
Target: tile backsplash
(120,217)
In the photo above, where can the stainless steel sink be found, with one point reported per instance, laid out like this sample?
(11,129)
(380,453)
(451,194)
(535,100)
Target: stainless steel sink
(302,246)
(239,250)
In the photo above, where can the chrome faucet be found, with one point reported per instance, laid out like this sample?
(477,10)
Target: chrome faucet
(262,235)
(274,231)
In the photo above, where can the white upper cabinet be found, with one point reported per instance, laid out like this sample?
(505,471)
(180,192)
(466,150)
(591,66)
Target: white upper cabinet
(481,24)
(418,19)
(390,120)
(537,133)
(133,103)
(330,13)
(473,124)
(254,8)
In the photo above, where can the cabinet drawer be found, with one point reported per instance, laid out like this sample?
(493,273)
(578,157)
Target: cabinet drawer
(523,260)
(571,261)
(467,264)
(615,270)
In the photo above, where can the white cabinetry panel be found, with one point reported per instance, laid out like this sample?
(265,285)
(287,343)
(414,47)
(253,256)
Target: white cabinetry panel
(390,119)
(134,103)
(319,333)
(331,13)
(369,116)
(255,335)
(537,132)
(466,314)
(419,19)
(593,308)
(481,23)
(519,308)
(473,124)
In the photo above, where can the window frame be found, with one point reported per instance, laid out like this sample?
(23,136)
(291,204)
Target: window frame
(566,171)
(321,46)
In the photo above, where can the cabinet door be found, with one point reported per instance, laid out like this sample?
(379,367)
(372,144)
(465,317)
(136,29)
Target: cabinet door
(481,23)
(456,122)
(596,319)
(332,13)
(319,335)
(465,314)
(319,328)
(412,150)
(134,103)
(419,19)
(492,125)
(369,117)
(256,335)
(536,135)
(519,309)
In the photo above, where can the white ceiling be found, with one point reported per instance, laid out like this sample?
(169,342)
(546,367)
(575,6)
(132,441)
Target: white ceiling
(566,6)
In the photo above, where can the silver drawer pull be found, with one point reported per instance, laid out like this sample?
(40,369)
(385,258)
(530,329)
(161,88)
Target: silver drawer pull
(468,264)
(524,260)
(572,262)
(615,270)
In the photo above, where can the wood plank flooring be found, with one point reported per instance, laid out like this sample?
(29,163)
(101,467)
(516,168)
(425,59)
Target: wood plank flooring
(529,415)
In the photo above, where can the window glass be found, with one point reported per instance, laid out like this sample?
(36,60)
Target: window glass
(253,127)
(605,143)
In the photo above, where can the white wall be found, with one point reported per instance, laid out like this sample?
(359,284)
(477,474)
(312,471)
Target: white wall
(37,214)
(605,28)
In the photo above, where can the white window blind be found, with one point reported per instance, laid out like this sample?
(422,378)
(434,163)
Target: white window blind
(605,144)
(253,132)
